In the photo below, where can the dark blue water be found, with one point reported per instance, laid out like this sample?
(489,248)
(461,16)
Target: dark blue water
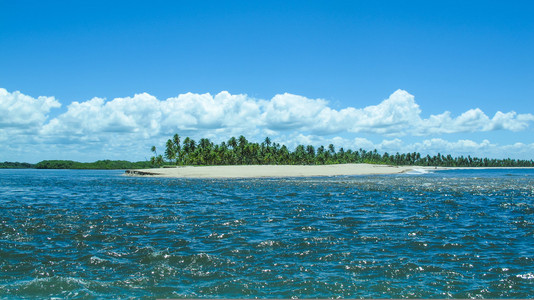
(97,234)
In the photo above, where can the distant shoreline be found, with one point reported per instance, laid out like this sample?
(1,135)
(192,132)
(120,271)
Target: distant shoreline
(266,171)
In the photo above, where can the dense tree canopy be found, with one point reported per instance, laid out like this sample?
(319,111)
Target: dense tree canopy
(239,151)
(15,165)
(69,164)
(100,164)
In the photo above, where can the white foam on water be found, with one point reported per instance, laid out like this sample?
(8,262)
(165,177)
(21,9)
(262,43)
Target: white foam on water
(525,276)
(419,172)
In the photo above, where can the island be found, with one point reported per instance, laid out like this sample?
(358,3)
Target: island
(259,171)
(239,158)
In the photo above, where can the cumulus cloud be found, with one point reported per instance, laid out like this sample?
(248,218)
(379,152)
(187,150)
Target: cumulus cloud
(433,146)
(395,115)
(287,111)
(392,116)
(398,115)
(145,116)
(143,119)
(21,111)
(436,145)
(97,118)
(465,147)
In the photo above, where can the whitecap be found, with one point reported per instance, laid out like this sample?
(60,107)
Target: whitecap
(525,276)
(418,172)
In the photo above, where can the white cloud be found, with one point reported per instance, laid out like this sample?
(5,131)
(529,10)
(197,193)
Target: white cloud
(436,145)
(392,116)
(399,115)
(141,120)
(474,120)
(363,143)
(395,115)
(289,111)
(98,119)
(391,144)
(145,116)
(484,148)
(24,112)
(510,121)
(433,146)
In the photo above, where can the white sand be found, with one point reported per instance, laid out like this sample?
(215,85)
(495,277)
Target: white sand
(257,171)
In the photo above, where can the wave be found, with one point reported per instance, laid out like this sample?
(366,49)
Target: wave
(419,172)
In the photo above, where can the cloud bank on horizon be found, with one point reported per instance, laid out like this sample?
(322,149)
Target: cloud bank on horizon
(123,128)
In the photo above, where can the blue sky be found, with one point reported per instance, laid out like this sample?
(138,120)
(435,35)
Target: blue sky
(429,76)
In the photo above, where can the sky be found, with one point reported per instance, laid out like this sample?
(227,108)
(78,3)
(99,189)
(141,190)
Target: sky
(89,80)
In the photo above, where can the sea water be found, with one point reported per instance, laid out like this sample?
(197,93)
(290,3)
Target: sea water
(98,234)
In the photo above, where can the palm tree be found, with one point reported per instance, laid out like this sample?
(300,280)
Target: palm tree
(159,160)
(177,147)
(331,149)
(242,141)
(170,151)
(267,141)
(310,151)
(300,155)
(232,142)
(156,160)
(241,151)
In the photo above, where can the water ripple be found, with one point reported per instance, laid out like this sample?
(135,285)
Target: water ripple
(96,234)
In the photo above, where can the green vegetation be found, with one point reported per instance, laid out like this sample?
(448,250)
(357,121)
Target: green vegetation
(15,165)
(239,151)
(69,164)
(242,152)
(100,164)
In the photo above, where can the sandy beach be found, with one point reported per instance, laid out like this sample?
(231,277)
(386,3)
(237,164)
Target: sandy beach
(258,171)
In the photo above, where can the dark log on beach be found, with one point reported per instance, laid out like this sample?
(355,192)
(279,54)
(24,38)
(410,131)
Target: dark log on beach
(139,173)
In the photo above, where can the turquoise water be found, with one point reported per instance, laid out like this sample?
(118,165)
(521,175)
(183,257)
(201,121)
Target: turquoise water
(97,234)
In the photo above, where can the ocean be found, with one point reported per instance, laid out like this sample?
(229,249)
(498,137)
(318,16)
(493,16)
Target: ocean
(98,234)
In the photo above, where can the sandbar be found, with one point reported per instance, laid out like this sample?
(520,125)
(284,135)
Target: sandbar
(266,171)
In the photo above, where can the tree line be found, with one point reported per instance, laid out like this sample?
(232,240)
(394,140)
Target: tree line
(239,151)
(16,165)
(97,165)
(70,164)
